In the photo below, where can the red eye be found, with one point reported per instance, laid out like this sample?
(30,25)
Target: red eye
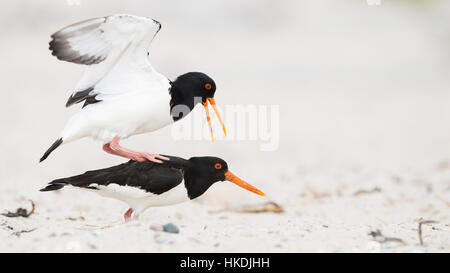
(218,166)
(208,86)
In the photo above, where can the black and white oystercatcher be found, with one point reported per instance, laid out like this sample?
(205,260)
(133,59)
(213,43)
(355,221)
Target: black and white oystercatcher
(145,184)
(123,94)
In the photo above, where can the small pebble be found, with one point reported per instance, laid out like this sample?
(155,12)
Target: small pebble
(171,228)
(92,246)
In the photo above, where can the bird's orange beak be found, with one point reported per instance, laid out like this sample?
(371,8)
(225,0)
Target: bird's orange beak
(229,176)
(208,117)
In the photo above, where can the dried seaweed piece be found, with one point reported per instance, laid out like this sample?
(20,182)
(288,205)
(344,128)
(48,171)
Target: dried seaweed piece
(317,194)
(20,212)
(360,192)
(421,222)
(18,233)
(443,200)
(385,241)
(266,207)
(79,218)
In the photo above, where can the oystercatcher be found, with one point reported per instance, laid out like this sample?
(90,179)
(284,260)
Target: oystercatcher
(123,94)
(145,184)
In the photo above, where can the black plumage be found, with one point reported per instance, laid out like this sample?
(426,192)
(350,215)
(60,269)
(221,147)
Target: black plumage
(188,90)
(149,176)
(55,145)
(80,96)
(61,49)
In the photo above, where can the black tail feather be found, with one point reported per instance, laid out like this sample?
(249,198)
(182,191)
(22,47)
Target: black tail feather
(55,185)
(79,96)
(51,149)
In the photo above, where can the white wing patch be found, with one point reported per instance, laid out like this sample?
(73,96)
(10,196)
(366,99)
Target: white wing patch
(139,199)
(121,192)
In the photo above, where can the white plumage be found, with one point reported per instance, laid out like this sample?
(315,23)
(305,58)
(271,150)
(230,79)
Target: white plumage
(135,97)
(119,116)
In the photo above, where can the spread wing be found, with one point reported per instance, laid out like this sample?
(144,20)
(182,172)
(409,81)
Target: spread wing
(115,50)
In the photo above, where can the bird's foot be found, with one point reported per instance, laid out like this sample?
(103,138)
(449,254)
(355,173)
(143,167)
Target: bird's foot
(142,156)
(128,216)
(114,148)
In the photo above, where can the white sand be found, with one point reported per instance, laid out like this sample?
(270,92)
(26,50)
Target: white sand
(364,103)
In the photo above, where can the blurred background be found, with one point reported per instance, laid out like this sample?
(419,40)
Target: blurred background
(363,91)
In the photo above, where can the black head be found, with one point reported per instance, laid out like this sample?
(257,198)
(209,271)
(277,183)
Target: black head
(193,85)
(188,90)
(205,171)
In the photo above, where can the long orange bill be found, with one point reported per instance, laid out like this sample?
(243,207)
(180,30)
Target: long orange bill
(229,176)
(208,117)
(213,104)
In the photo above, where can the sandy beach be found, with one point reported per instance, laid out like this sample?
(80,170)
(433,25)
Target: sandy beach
(364,128)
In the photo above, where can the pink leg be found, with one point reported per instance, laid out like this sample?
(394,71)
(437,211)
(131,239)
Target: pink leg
(114,148)
(127,215)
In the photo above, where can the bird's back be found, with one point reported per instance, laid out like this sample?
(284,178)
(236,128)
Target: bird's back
(149,176)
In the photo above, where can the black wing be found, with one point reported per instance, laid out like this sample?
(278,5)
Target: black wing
(149,176)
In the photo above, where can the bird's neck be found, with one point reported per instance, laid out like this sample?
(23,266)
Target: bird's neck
(182,100)
(196,184)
